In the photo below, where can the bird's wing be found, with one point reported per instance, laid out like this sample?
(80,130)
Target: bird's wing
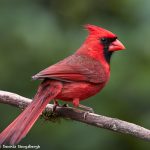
(75,68)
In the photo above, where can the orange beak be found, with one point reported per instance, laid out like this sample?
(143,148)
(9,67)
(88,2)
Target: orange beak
(116,45)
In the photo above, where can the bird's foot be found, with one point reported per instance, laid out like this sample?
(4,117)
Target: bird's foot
(65,105)
(56,104)
(86,108)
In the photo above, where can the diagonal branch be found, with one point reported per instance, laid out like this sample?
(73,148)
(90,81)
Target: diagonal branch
(80,115)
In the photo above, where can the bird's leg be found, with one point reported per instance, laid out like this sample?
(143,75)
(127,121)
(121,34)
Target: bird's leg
(75,102)
(55,105)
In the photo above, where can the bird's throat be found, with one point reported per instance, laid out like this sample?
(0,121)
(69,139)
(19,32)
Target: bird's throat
(107,54)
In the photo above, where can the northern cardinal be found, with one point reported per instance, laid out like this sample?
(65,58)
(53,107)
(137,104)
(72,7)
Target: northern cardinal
(73,79)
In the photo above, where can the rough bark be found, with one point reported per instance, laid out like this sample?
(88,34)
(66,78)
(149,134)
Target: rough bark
(93,119)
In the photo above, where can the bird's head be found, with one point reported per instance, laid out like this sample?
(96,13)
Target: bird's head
(103,40)
(105,37)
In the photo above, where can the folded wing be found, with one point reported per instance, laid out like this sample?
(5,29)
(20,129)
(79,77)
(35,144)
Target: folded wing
(75,68)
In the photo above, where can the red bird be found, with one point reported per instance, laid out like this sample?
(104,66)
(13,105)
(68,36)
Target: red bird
(73,79)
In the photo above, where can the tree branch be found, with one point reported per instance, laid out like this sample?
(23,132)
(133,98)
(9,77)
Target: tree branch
(81,116)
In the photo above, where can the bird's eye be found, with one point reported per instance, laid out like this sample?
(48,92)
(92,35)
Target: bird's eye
(103,39)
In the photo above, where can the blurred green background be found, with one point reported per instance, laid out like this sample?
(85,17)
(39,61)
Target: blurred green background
(37,33)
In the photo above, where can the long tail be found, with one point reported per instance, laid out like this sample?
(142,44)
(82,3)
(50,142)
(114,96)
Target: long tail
(22,124)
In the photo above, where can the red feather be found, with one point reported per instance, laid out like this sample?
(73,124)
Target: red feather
(75,68)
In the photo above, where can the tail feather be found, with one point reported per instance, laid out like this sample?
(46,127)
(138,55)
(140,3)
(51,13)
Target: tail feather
(23,123)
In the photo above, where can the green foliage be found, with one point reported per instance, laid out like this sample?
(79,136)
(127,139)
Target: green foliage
(37,33)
